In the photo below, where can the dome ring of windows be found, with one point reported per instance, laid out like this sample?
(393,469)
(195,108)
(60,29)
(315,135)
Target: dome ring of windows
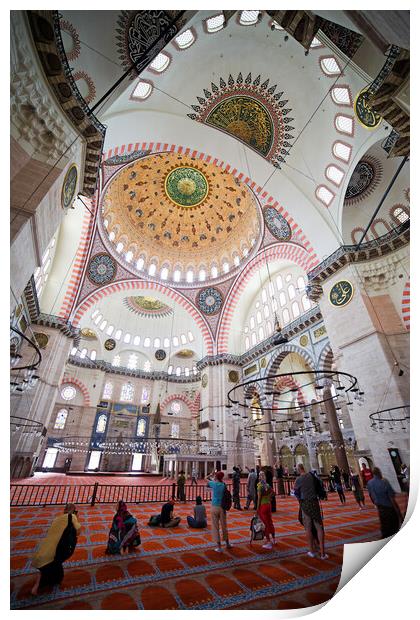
(277,224)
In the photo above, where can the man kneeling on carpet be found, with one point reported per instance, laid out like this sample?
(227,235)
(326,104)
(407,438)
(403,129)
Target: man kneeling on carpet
(57,546)
(199,520)
(124,533)
(309,511)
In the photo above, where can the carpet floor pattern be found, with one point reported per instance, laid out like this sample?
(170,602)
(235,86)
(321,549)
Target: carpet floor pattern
(179,568)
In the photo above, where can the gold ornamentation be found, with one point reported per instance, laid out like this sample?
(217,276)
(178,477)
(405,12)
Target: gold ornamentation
(41,339)
(263,362)
(304,340)
(185,353)
(204,380)
(88,333)
(233,376)
(250,370)
(341,293)
(321,331)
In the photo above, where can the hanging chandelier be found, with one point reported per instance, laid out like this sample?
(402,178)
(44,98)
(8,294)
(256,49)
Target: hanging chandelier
(391,419)
(24,378)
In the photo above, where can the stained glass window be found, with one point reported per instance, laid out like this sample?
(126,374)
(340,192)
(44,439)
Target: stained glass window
(108,388)
(141,427)
(61,418)
(127,392)
(101,423)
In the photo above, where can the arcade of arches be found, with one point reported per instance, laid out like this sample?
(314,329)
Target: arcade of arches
(167,225)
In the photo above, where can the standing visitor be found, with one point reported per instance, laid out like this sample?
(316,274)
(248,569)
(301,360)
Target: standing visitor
(51,568)
(338,485)
(199,520)
(383,496)
(357,489)
(218,514)
(180,484)
(265,492)
(236,485)
(194,476)
(366,474)
(124,533)
(345,476)
(310,511)
(269,476)
(250,487)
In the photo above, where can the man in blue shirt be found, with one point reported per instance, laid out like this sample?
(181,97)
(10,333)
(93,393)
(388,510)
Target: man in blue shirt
(218,515)
(383,496)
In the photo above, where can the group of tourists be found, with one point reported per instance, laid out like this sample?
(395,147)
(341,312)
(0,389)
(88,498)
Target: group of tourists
(124,535)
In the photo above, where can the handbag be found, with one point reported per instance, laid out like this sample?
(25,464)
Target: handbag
(257,528)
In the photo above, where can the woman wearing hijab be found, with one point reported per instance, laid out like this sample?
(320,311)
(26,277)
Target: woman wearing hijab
(124,533)
(51,569)
(264,509)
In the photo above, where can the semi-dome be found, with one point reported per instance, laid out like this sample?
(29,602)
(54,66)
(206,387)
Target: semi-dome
(180,214)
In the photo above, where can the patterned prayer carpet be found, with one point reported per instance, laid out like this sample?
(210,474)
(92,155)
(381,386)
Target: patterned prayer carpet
(179,568)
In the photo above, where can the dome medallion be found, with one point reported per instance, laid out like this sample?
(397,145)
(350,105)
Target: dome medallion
(186,187)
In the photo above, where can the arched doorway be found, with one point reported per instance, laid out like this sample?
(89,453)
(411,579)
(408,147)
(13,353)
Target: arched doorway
(286,458)
(302,456)
(326,457)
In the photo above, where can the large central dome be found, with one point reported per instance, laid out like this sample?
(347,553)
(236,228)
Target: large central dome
(180,213)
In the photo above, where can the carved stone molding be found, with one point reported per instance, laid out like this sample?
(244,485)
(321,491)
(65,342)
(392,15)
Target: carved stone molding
(380,275)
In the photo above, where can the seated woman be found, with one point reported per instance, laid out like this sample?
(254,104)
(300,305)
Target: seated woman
(199,520)
(124,533)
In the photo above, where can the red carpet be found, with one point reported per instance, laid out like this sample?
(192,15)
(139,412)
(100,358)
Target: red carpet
(179,569)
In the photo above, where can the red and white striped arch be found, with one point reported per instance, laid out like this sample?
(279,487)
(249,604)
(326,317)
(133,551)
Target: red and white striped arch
(79,385)
(287,251)
(193,405)
(128,285)
(405,305)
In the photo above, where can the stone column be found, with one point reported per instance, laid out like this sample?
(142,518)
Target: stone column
(335,431)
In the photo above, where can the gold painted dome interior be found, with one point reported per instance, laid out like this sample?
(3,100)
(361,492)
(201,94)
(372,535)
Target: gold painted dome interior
(180,218)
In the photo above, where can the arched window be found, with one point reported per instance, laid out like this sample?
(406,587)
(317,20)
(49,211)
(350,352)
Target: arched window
(295,309)
(132,361)
(178,371)
(101,423)
(136,341)
(246,343)
(147,366)
(324,195)
(334,174)
(175,341)
(306,303)
(141,427)
(127,392)
(83,353)
(400,214)
(248,18)
(152,269)
(68,392)
(252,322)
(129,256)
(282,298)
(214,272)
(145,395)
(190,275)
(160,63)
(60,420)
(202,275)
(341,95)
(170,369)
(156,343)
(176,407)
(187,372)
(274,304)
(254,338)
(183,339)
(127,338)
(261,333)
(185,39)
(116,361)
(109,330)
(93,355)
(177,275)
(259,317)
(118,334)
(291,291)
(279,283)
(98,318)
(146,342)
(164,273)
(301,284)
(140,264)
(166,343)
(73,351)
(344,124)
(142,91)
(175,431)
(103,325)
(342,151)
(215,23)
(264,295)
(330,66)
(120,247)
(108,388)
(269,327)
(286,316)
(266,311)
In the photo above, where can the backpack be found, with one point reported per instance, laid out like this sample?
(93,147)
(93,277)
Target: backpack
(226,499)
(257,529)
(319,488)
(67,543)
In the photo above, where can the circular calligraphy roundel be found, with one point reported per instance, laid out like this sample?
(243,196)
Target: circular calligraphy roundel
(341,293)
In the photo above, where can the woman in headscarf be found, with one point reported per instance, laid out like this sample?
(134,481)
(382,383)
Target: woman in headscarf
(357,489)
(264,510)
(124,533)
(51,569)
